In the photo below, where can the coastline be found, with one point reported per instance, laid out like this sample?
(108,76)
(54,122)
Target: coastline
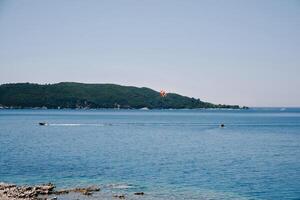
(49,191)
(141,109)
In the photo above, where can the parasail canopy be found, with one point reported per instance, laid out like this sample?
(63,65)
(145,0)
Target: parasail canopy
(163,93)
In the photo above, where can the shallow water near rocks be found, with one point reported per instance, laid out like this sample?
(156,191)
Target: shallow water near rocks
(168,154)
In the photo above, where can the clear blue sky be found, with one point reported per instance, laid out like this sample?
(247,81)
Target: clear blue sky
(234,52)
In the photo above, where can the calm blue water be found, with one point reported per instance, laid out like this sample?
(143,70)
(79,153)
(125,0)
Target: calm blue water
(179,154)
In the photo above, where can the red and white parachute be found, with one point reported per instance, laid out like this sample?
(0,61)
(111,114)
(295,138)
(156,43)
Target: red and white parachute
(163,93)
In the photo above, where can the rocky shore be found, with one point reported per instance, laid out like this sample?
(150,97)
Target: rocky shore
(47,192)
(14,192)
(39,192)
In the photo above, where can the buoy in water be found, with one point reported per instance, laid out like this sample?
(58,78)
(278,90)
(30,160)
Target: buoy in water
(222,125)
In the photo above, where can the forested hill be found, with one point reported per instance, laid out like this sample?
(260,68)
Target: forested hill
(80,95)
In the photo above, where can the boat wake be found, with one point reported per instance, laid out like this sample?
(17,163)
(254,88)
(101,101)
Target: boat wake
(76,124)
(172,124)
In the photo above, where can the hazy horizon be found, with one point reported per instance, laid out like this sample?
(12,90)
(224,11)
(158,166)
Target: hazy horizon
(227,52)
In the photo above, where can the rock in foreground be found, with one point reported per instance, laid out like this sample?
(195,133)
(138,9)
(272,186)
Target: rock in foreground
(39,192)
(14,192)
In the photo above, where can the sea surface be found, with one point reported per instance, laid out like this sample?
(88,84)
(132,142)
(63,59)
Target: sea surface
(167,154)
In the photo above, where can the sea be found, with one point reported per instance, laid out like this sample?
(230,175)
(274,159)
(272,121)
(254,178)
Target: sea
(167,154)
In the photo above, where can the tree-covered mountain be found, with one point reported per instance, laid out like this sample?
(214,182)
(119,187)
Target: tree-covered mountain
(80,95)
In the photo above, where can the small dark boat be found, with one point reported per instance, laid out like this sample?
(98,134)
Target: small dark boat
(42,123)
(222,125)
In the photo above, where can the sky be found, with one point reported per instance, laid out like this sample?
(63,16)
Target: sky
(230,52)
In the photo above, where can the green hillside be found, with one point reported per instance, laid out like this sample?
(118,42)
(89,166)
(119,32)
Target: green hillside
(80,95)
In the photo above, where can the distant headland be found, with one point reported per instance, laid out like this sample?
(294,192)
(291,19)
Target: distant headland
(96,96)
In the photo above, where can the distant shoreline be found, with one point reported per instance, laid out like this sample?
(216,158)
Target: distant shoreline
(141,109)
